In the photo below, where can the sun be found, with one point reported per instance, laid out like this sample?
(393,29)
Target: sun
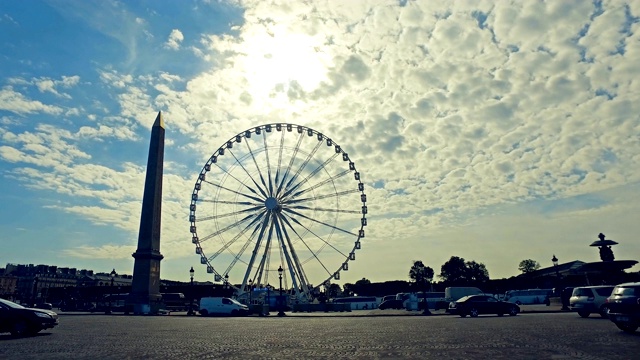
(276,65)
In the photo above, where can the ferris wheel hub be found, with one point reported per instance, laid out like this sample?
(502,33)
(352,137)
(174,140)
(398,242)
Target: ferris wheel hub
(271,203)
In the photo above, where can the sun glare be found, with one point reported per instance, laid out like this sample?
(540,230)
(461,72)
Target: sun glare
(274,63)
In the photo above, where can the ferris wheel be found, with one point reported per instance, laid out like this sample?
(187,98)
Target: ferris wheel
(278,196)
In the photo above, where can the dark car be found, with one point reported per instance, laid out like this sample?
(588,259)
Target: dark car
(20,321)
(624,306)
(474,305)
(391,304)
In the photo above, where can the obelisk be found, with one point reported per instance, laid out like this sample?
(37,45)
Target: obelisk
(145,295)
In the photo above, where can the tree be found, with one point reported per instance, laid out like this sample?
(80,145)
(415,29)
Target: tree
(458,271)
(361,286)
(528,266)
(476,272)
(453,271)
(420,274)
(348,289)
(334,291)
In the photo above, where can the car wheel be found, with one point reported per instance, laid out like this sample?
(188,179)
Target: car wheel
(204,312)
(473,312)
(463,315)
(20,328)
(627,327)
(583,313)
(604,311)
(513,311)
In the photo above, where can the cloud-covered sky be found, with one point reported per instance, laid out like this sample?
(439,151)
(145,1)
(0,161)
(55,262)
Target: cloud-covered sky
(495,131)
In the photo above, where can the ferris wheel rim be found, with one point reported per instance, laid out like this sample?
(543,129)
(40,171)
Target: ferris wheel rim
(270,201)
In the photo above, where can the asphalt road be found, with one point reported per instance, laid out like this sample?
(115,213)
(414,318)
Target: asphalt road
(356,335)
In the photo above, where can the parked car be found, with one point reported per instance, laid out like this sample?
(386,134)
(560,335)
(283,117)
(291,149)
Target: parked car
(474,305)
(590,299)
(21,321)
(391,304)
(222,306)
(44,305)
(624,306)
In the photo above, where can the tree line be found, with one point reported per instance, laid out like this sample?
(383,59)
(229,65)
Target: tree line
(454,272)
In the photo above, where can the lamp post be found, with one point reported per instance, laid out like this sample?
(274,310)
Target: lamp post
(35,290)
(554,260)
(191,272)
(250,290)
(564,298)
(113,275)
(226,284)
(280,305)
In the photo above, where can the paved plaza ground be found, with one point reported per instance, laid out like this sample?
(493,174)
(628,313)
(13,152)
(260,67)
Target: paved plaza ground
(374,334)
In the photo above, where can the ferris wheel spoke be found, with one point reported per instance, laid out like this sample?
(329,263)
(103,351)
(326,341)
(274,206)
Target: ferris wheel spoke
(302,207)
(261,203)
(242,250)
(237,192)
(249,175)
(215,217)
(317,221)
(300,168)
(268,160)
(281,148)
(255,162)
(313,173)
(235,238)
(319,197)
(293,157)
(329,180)
(229,227)
(318,237)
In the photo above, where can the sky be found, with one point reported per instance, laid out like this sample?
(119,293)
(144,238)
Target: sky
(495,131)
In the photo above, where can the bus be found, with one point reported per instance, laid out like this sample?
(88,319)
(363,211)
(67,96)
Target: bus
(529,296)
(359,302)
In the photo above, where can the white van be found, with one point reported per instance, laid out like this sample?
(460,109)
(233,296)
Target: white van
(222,306)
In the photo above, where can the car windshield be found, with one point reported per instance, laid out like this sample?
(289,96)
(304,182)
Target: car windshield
(11,304)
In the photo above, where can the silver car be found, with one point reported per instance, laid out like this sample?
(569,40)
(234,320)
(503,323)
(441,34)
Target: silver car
(591,299)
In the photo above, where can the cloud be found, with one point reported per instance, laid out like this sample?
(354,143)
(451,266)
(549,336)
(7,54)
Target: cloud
(459,116)
(17,103)
(174,41)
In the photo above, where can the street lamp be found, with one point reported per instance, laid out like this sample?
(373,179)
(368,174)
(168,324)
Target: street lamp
(250,290)
(191,272)
(35,290)
(113,275)
(564,298)
(280,307)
